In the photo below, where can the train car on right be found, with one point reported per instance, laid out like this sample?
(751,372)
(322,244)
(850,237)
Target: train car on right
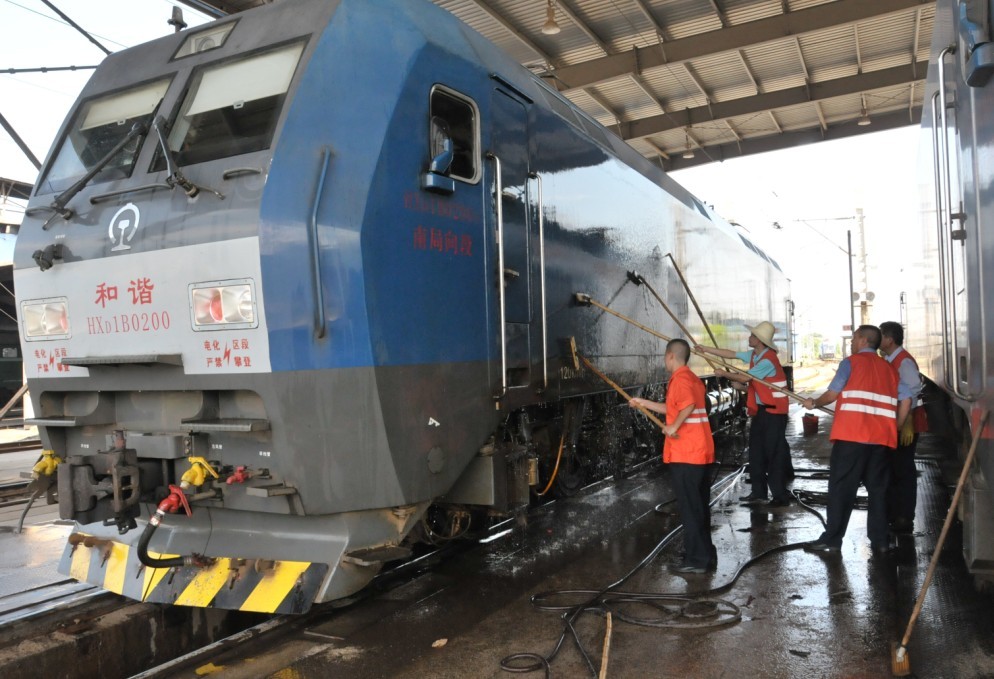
(951,317)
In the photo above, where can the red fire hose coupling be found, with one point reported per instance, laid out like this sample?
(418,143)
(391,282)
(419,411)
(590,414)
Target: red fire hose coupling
(171,505)
(240,475)
(176,499)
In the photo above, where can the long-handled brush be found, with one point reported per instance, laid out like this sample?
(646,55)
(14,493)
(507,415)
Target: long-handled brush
(583,299)
(577,357)
(900,663)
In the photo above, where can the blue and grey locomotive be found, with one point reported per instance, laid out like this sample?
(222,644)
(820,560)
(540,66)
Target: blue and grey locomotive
(295,288)
(949,320)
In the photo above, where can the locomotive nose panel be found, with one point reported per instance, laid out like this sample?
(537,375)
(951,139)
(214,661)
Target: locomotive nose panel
(196,307)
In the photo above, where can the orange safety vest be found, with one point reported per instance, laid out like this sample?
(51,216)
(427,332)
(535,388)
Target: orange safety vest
(693,443)
(866,411)
(919,419)
(776,400)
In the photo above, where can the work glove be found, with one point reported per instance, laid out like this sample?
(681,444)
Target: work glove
(907,433)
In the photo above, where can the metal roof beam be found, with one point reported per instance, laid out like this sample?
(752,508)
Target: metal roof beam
(889,77)
(732,38)
(787,140)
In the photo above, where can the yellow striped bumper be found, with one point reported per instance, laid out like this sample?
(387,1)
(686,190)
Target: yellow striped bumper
(228,583)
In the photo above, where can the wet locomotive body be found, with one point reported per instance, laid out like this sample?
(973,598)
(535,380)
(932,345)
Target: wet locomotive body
(339,298)
(949,320)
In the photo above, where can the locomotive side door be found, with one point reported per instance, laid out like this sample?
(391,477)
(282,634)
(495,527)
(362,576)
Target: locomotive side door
(509,212)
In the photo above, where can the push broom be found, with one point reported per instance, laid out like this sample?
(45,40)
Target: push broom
(900,663)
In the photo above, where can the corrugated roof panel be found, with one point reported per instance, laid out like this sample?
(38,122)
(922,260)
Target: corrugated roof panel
(800,117)
(620,24)
(682,18)
(483,23)
(892,99)
(724,76)
(588,105)
(887,41)
(674,86)
(796,5)
(754,125)
(744,11)
(839,108)
(776,65)
(627,99)
(828,54)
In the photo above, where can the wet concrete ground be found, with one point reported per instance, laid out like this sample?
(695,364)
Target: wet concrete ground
(802,615)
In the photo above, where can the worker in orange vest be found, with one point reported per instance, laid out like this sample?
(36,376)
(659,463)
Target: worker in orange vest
(769,454)
(688,451)
(902,493)
(864,434)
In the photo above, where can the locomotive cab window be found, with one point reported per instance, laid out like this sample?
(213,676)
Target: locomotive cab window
(101,125)
(232,108)
(453,127)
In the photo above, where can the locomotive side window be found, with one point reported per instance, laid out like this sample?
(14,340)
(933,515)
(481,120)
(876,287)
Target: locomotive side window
(454,117)
(99,126)
(232,108)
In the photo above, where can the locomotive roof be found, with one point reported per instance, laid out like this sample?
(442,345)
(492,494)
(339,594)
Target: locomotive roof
(725,78)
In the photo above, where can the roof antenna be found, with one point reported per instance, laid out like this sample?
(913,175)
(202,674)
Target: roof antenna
(177,19)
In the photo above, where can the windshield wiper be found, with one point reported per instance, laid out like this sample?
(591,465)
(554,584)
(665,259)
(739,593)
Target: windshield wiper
(58,205)
(176,177)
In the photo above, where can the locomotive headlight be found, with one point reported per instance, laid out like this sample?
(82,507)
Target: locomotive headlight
(223,305)
(45,319)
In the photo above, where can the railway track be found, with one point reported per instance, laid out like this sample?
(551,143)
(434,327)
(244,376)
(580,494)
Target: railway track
(266,633)
(68,604)
(20,446)
(13,493)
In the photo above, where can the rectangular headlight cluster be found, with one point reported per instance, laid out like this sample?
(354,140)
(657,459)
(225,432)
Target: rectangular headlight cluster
(45,319)
(223,305)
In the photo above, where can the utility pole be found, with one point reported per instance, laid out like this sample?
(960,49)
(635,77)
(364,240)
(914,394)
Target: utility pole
(865,295)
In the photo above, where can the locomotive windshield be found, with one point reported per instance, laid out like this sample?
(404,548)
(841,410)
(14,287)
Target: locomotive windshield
(99,126)
(232,108)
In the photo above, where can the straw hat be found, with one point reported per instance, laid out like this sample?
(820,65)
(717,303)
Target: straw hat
(764,333)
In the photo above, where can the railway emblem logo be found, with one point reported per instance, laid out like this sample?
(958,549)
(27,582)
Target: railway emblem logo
(123,226)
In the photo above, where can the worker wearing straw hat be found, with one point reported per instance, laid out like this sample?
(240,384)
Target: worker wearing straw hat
(768,449)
